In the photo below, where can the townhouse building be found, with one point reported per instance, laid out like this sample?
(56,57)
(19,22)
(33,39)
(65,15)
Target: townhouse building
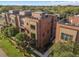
(39,26)
(14,17)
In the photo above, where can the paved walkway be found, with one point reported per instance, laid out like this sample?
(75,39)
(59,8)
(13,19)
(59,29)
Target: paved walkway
(46,54)
(2,53)
(37,52)
(48,51)
(42,55)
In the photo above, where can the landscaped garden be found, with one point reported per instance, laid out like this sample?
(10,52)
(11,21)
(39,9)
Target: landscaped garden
(68,49)
(14,47)
(8,48)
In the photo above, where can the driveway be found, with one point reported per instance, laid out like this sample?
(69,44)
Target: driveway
(2,53)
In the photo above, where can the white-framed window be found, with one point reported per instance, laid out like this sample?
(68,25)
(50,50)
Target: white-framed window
(66,37)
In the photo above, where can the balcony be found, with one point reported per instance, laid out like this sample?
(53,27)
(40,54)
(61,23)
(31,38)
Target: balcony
(22,26)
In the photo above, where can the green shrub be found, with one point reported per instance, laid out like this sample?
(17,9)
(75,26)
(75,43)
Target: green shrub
(10,31)
(76,49)
(21,39)
(21,36)
(63,50)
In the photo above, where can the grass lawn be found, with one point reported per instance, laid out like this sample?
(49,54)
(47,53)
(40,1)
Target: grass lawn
(8,48)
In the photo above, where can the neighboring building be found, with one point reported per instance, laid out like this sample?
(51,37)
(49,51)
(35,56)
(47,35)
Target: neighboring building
(10,17)
(74,19)
(68,29)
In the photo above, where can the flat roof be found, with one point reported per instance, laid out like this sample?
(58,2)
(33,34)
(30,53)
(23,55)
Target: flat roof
(66,22)
(39,12)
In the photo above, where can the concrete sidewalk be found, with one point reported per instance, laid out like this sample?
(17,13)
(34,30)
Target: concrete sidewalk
(2,53)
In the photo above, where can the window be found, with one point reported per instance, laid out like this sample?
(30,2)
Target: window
(22,30)
(33,35)
(66,37)
(46,16)
(27,23)
(32,27)
(27,31)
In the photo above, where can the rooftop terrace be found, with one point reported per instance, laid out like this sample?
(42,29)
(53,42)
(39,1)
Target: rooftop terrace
(66,22)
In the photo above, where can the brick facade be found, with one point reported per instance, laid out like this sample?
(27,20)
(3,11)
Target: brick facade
(45,25)
(69,28)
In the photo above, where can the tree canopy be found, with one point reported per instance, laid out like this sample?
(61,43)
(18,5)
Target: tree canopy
(10,31)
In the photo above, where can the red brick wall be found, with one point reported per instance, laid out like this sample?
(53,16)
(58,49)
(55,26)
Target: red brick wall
(43,27)
(75,19)
(57,33)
